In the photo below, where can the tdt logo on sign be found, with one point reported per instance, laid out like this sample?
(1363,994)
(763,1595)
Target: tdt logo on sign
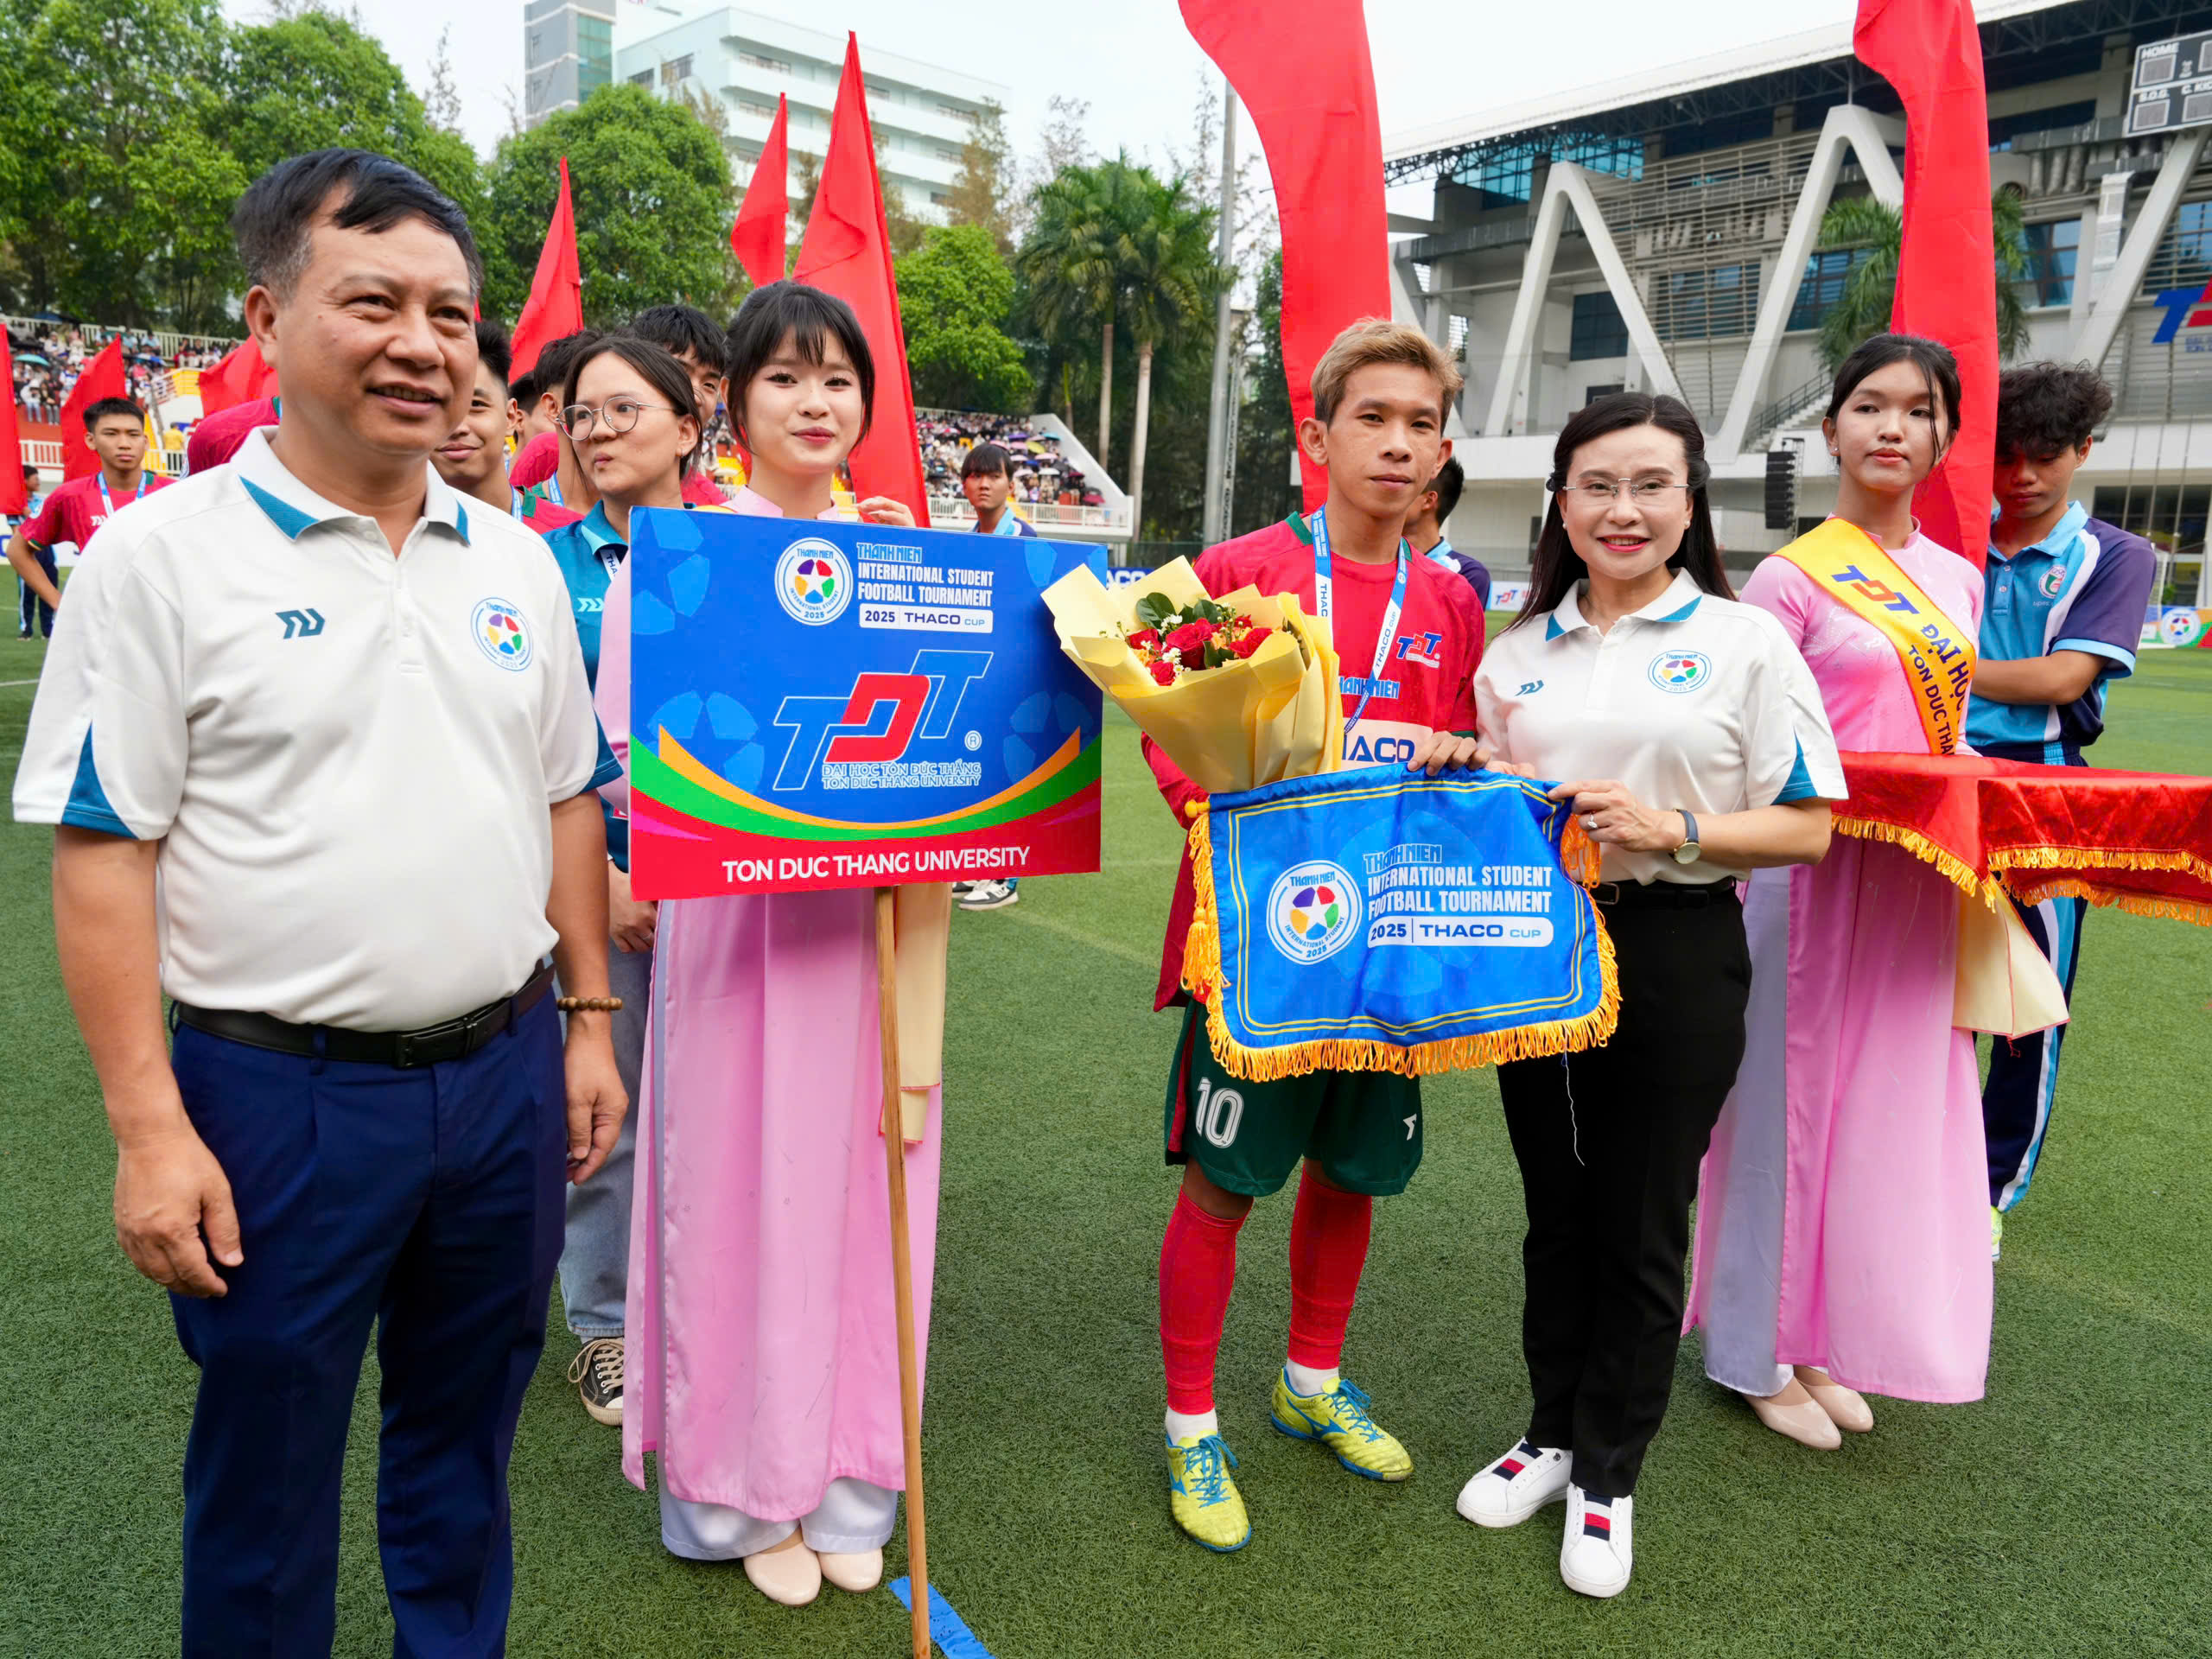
(2184,308)
(879,718)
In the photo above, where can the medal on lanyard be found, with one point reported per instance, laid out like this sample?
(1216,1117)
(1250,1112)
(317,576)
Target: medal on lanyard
(1325,594)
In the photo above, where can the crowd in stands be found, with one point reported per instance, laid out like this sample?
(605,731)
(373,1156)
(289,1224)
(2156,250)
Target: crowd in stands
(49,359)
(1040,473)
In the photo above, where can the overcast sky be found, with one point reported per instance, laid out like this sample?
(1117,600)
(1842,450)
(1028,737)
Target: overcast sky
(1133,61)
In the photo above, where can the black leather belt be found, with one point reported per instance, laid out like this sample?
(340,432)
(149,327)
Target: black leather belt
(450,1039)
(1663,895)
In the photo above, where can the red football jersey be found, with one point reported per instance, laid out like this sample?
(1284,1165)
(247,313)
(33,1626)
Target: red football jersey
(74,512)
(215,438)
(1426,684)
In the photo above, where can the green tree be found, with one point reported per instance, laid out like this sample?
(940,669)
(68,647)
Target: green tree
(954,293)
(1170,282)
(981,189)
(1863,310)
(652,191)
(1074,264)
(1265,440)
(316,80)
(115,179)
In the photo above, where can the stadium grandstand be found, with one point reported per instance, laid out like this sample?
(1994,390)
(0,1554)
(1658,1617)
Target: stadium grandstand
(1661,230)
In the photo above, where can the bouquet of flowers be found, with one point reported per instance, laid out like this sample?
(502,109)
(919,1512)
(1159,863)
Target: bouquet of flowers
(1239,690)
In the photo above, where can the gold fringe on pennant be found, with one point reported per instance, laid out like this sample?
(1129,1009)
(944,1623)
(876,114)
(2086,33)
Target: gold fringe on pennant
(1955,869)
(1203,979)
(2030,890)
(1581,858)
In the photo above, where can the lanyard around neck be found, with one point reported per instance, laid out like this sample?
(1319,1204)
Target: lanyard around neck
(1324,592)
(107,501)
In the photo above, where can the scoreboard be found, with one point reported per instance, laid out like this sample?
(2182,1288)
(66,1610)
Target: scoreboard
(2172,86)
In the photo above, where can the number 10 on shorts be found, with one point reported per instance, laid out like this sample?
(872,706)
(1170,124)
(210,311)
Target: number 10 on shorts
(1218,1113)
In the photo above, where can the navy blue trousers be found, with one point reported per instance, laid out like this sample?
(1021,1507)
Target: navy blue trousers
(2023,1083)
(426,1204)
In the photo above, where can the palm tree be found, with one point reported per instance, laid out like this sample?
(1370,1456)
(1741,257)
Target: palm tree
(1167,256)
(1071,264)
(1863,310)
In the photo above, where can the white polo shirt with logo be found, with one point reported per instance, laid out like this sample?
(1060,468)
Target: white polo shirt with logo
(348,758)
(1691,702)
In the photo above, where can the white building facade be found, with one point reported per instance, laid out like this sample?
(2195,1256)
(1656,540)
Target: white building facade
(568,53)
(1660,233)
(922,112)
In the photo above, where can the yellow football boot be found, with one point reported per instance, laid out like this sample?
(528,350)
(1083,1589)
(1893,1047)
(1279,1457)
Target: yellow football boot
(1339,1420)
(1202,1498)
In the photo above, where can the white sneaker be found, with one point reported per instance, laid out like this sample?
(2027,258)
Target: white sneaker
(1599,1551)
(990,895)
(1515,1486)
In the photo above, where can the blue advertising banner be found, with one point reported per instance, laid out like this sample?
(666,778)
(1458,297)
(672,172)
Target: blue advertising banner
(818,705)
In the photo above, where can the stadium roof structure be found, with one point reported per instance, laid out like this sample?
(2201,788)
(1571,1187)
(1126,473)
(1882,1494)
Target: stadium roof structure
(1716,99)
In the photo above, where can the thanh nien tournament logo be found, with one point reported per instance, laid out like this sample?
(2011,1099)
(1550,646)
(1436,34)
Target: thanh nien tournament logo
(1681,671)
(1312,911)
(814,583)
(500,634)
(2053,579)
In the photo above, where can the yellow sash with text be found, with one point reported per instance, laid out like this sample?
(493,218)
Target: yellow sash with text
(1854,569)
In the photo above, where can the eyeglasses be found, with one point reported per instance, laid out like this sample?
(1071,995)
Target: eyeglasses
(620,414)
(1602,493)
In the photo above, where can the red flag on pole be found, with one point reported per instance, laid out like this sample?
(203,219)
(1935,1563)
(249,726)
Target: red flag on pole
(758,237)
(102,378)
(1930,51)
(14,498)
(241,376)
(846,252)
(1301,68)
(555,307)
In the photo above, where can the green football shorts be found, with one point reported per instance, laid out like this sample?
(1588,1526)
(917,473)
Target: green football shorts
(1362,1129)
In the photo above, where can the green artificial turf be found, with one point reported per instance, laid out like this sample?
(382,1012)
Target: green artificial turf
(2065,1515)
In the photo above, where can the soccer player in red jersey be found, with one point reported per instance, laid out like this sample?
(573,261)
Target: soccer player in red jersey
(114,430)
(1410,634)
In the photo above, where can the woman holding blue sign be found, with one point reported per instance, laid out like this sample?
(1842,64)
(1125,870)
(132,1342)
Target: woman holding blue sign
(1697,750)
(762,1366)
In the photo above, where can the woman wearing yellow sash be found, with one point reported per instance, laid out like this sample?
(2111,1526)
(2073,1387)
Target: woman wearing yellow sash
(1843,1234)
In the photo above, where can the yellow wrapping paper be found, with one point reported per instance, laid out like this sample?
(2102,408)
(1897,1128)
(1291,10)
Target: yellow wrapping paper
(2003,984)
(1275,715)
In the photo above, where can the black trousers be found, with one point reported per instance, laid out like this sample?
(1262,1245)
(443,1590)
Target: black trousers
(1608,1142)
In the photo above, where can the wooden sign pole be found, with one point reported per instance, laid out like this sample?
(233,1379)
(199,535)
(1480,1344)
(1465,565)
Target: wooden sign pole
(902,1267)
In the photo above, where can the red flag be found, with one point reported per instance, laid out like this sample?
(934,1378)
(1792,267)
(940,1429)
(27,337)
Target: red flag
(846,252)
(14,498)
(102,378)
(1930,51)
(757,238)
(241,376)
(1301,68)
(555,307)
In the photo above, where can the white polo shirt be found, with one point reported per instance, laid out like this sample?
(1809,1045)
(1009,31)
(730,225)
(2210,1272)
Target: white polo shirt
(347,758)
(1692,701)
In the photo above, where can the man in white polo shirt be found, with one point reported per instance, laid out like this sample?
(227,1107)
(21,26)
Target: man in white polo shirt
(343,717)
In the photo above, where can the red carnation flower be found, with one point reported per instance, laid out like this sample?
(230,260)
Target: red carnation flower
(1251,642)
(1162,672)
(1146,640)
(1190,637)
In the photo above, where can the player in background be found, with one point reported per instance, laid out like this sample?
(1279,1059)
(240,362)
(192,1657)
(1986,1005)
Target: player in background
(986,479)
(2063,602)
(1425,530)
(114,430)
(474,460)
(31,610)
(1409,635)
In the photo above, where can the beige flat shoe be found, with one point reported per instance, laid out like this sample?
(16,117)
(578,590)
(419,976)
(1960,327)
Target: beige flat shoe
(858,1573)
(1845,1408)
(1801,1419)
(788,1572)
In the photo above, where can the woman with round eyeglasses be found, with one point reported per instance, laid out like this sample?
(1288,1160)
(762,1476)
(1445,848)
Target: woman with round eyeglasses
(1843,1230)
(1695,749)
(628,408)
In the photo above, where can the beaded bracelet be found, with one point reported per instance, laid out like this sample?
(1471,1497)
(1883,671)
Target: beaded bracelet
(587,1004)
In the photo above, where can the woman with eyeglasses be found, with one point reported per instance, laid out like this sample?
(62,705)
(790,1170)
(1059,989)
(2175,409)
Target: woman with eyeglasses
(1842,1236)
(1695,750)
(627,404)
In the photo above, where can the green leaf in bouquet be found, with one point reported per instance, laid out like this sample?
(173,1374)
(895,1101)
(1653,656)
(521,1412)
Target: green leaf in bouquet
(1156,611)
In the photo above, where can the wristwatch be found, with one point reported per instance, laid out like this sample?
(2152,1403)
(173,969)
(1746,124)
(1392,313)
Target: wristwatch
(1689,852)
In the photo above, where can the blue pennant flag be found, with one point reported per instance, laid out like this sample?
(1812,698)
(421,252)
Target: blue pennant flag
(1382,920)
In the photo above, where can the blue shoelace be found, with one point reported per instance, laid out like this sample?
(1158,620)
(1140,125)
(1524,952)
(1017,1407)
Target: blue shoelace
(1203,1472)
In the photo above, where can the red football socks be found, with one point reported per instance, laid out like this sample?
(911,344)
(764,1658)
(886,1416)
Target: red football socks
(1197,1267)
(1328,1247)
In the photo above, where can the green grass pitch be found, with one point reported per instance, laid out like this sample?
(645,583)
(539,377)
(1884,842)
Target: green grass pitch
(2065,1515)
